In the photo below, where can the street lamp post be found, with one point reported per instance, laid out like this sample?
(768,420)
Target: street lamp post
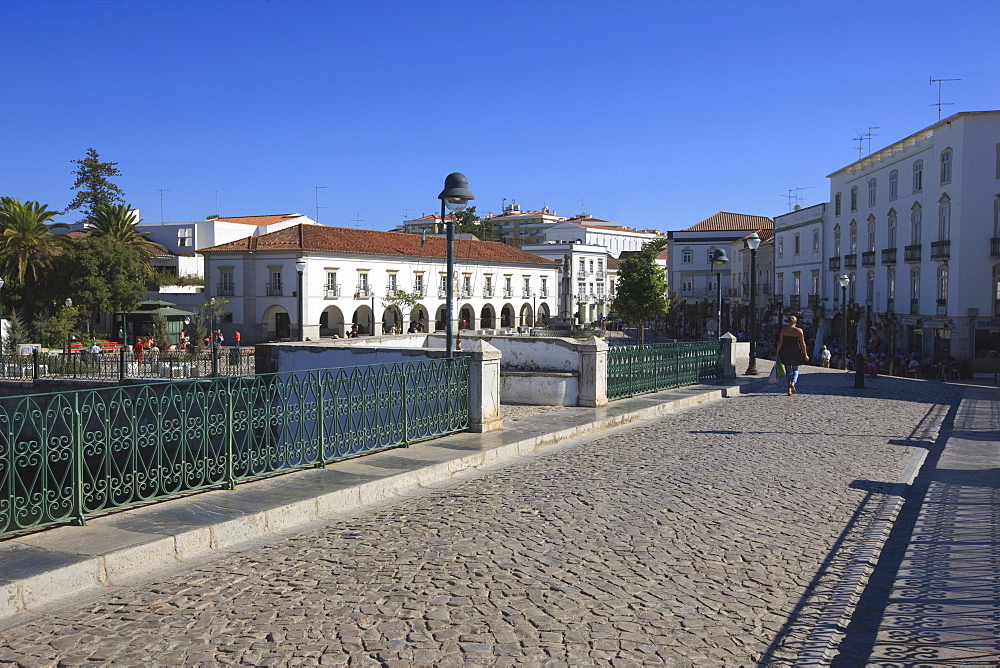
(1,324)
(214,341)
(753,243)
(844,280)
(455,196)
(719,262)
(300,267)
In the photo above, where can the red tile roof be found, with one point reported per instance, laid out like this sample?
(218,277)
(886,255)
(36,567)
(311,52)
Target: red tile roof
(732,222)
(261,220)
(367,243)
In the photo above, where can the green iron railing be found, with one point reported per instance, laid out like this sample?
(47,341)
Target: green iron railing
(649,368)
(69,455)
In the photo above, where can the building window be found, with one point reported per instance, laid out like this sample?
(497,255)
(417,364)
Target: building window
(331,288)
(854,198)
(854,237)
(892,228)
(488,286)
(274,284)
(797,248)
(836,204)
(781,247)
(391,284)
(418,284)
(583,267)
(545,287)
(915,284)
(779,283)
(508,286)
(946,166)
(363,287)
(870,287)
(227,287)
(944,219)
(466,285)
(185,237)
(942,282)
(836,240)
(915,216)
(688,286)
(686,256)
(814,282)
(893,184)
(815,241)
(852,288)
(871,192)
(890,281)
(918,176)
(527,286)
(797,283)
(871,234)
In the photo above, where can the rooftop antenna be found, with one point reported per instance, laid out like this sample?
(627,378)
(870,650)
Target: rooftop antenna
(357,221)
(800,197)
(216,203)
(318,207)
(790,197)
(869,135)
(861,144)
(162,190)
(939,103)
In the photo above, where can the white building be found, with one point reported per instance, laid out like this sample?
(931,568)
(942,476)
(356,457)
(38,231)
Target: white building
(740,293)
(181,239)
(523,226)
(799,262)
(916,227)
(351,276)
(595,232)
(586,282)
(429,224)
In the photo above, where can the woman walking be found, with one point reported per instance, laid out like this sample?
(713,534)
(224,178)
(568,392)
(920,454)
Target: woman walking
(791,350)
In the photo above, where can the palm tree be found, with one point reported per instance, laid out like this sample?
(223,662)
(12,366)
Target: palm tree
(27,245)
(118,222)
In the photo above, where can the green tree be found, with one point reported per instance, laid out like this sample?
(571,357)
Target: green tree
(642,287)
(55,331)
(402,298)
(28,246)
(467,222)
(105,276)
(17,333)
(161,334)
(119,224)
(93,184)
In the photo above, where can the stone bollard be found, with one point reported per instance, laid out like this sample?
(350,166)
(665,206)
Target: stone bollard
(728,342)
(484,386)
(593,378)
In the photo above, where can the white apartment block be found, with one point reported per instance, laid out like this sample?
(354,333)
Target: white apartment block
(181,239)
(916,227)
(586,279)
(595,232)
(691,274)
(429,224)
(351,276)
(799,260)
(524,226)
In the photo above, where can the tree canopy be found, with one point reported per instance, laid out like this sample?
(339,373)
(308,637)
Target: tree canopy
(640,293)
(93,184)
(467,222)
(119,224)
(105,276)
(27,246)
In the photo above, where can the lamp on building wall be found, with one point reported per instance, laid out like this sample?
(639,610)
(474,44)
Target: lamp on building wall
(753,243)
(844,281)
(719,262)
(300,267)
(454,197)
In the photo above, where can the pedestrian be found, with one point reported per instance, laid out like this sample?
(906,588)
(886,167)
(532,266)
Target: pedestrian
(182,339)
(824,357)
(353,334)
(791,351)
(137,349)
(236,338)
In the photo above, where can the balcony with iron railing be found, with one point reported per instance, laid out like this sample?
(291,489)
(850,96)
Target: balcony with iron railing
(600,276)
(543,293)
(488,293)
(888,256)
(273,289)
(332,290)
(765,289)
(834,264)
(941,250)
(995,247)
(890,304)
(942,307)
(466,293)
(363,292)
(419,291)
(794,301)
(868,259)
(225,289)
(814,302)
(526,293)
(851,261)
(508,293)
(911,253)
(914,307)
(442,292)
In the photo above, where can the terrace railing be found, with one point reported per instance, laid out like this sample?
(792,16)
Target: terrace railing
(69,455)
(121,364)
(634,370)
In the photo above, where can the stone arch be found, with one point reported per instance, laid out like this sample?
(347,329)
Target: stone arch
(467,315)
(276,323)
(526,318)
(364,318)
(440,317)
(418,314)
(392,321)
(507,315)
(487,317)
(331,322)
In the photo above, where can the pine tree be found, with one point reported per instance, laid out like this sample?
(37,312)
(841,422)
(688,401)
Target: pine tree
(93,186)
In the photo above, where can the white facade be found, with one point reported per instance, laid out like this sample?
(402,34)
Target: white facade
(915,226)
(586,283)
(615,239)
(351,277)
(799,260)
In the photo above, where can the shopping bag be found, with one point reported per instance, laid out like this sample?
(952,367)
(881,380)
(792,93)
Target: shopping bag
(779,368)
(773,378)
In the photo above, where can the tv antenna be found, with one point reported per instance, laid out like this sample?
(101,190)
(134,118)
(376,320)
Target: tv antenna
(357,221)
(939,103)
(162,190)
(865,137)
(318,207)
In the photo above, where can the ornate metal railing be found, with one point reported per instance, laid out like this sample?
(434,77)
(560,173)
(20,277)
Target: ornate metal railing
(119,365)
(649,368)
(69,455)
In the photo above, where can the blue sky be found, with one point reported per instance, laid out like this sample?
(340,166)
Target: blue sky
(651,114)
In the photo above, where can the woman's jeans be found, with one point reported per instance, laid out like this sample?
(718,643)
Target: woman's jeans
(792,373)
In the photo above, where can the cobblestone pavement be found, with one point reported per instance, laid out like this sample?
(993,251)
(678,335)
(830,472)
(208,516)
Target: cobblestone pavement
(709,537)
